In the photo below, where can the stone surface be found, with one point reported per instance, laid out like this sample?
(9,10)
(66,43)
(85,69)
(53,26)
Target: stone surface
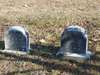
(17,38)
(74,43)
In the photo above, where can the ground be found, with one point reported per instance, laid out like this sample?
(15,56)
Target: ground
(45,20)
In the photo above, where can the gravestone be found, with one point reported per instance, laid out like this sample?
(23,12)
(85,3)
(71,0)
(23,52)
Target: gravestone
(74,44)
(17,38)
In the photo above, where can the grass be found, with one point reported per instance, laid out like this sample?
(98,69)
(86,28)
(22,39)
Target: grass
(45,64)
(45,20)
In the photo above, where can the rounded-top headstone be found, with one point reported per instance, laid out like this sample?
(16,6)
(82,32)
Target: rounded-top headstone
(74,40)
(17,38)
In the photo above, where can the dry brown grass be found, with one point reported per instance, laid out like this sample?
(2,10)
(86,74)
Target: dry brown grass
(49,17)
(46,19)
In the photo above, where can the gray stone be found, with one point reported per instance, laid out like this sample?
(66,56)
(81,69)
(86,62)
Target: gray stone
(17,38)
(74,43)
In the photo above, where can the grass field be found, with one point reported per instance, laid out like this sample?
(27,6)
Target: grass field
(45,21)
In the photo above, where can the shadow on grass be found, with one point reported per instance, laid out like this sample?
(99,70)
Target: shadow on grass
(24,71)
(48,53)
(96,57)
(49,65)
(2,45)
(44,49)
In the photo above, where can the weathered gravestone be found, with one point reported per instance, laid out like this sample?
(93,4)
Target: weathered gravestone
(17,38)
(74,44)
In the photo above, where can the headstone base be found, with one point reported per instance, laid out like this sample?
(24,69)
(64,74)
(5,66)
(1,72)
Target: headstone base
(76,57)
(13,52)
